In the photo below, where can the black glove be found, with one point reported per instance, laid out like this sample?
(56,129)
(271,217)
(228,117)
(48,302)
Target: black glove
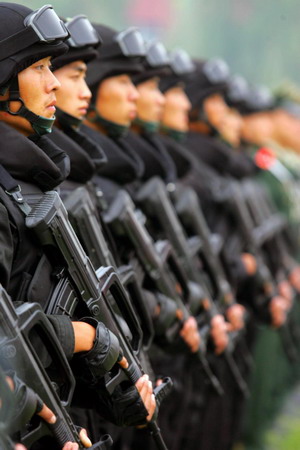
(93,365)
(123,408)
(27,403)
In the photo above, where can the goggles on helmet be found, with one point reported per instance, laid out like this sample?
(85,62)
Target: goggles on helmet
(82,32)
(42,25)
(260,97)
(237,88)
(216,71)
(129,43)
(181,62)
(157,55)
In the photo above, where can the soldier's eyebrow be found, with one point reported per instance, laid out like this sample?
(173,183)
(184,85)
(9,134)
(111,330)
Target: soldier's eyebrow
(80,68)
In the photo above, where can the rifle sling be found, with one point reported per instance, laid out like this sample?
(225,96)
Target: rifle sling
(13,189)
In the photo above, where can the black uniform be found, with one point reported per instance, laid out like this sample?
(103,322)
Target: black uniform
(25,271)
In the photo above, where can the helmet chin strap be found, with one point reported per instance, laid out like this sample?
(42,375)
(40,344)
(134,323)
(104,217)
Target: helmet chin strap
(41,125)
(177,135)
(67,120)
(113,129)
(146,125)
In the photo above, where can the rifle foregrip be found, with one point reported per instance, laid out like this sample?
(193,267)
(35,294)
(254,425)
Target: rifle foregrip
(61,434)
(104,444)
(163,390)
(133,372)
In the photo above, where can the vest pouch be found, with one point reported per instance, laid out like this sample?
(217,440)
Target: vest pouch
(21,295)
(42,283)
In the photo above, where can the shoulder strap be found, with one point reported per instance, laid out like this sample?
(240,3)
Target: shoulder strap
(13,189)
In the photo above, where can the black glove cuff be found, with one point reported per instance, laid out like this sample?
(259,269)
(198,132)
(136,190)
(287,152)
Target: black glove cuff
(104,354)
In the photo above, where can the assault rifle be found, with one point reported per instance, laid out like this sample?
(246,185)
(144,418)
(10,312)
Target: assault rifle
(156,203)
(270,227)
(27,341)
(187,206)
(84,217)
(97,293)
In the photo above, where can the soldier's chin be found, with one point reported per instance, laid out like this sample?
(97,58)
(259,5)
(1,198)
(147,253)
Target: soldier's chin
(49,112)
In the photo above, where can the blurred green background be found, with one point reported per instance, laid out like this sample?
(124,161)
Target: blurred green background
(258,38)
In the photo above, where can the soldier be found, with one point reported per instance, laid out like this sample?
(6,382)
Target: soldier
(27,106)
(86,156)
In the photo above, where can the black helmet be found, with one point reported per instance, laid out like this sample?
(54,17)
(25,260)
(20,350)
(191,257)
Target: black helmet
(210,77)
(237,91)
(27,36)
(247,98)
(82,42)
(155,64)
(181,67)
(120,53)
(257,99)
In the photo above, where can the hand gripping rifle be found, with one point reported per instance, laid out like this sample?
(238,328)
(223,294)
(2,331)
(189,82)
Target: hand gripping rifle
(6,413)
(94,292)
(27,340)
(159,264)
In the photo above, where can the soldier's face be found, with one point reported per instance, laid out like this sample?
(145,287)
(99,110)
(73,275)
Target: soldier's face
(74,96)
(215,109)
(37,86)
(257,128)
(116,99)
(176,110)
(230,127)
(151,101)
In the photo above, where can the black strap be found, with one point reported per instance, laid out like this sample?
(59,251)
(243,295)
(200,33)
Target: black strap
(7,181)
(13,189)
